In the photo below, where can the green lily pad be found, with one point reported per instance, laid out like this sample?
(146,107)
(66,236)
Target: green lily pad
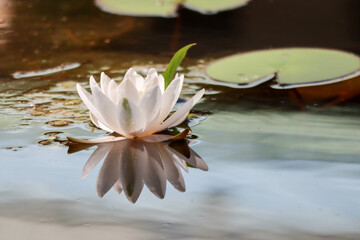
(165,8)
(213,6)
(290,67)
(161,8)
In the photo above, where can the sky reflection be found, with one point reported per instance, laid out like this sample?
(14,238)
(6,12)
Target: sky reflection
(130,164)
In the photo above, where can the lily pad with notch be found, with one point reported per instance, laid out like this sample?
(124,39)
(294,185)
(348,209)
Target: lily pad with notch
(289,67)
(166,8)
(213,6)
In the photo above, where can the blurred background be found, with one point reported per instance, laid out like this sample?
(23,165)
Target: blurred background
(40,33)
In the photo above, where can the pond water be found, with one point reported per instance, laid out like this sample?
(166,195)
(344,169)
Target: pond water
(280,166)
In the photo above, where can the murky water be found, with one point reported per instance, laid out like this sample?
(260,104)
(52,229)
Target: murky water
(280,166)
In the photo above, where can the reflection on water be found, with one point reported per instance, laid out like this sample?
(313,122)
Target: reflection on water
(129,164)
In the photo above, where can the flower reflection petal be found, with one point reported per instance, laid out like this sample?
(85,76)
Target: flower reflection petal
(130,164)
(95,158)
(109,172)
(118,187)
(173,173)
(154,175)
(131,170)
(193,159)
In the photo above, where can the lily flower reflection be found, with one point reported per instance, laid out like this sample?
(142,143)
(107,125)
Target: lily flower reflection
(132,163)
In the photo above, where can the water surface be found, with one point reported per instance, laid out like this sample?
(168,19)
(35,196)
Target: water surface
(279,167)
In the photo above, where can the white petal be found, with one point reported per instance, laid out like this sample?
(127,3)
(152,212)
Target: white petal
(104,82)
(130,75)
(89,103)
(96,140)
(99,124)
(149,101)
(152,73)
(121,87)
(152,79)
(151,83)
(150,105)
(131,92)
(180,115)
(120,91)
(106,108)
(93,84)
(111,91)
(139,83)
(170,97)
(130,118)
(161,83)
(83,93)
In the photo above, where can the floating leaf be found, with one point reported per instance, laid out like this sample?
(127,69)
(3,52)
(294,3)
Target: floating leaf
(337,92)
(159,8)
(60,68)
(165,8)
(291,67)
(175,63)
(59,123)
(213,6)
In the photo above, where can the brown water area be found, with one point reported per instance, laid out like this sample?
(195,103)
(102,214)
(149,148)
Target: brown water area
(282,164)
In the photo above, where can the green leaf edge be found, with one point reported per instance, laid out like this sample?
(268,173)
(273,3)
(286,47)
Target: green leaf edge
(175,63)
(173,12)
(278,85)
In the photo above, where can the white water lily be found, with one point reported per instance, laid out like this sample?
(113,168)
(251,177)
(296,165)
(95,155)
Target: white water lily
(137,107)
